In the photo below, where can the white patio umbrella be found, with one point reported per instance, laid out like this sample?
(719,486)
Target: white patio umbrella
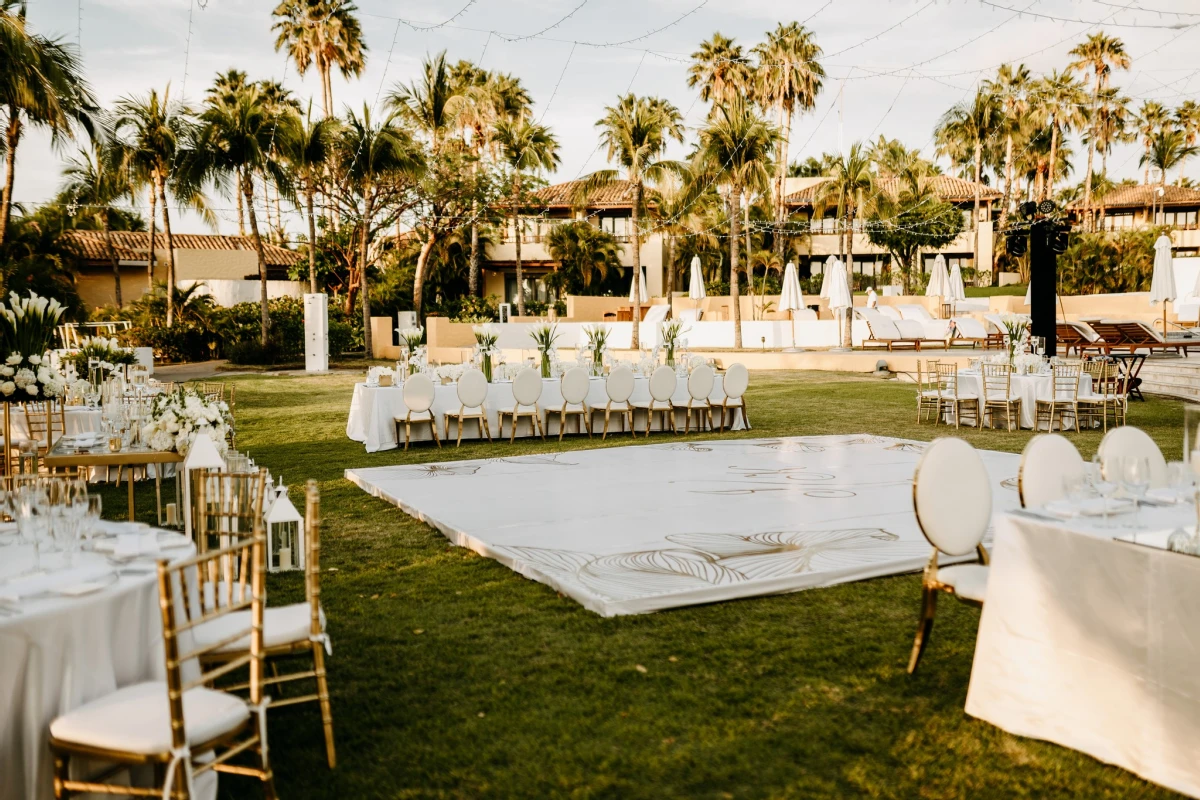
(791,299)
(696,283)
(637,289)
(1162,283)
(1029,293)
(832,264)
(840,299)
(957,291)
(938,279)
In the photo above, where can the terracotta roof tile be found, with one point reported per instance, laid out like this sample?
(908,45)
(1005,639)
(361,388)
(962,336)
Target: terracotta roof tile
(133,246)
(947,187)
(1142,196)
(617,194)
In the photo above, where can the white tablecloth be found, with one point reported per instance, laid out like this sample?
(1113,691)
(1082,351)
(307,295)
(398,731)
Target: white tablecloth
(373,410)
(1027,387)
(1094,644)
(58,653)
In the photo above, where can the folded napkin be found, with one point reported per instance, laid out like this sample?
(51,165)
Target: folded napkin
(1092,507)
(1169,495)
(87,439)
(129,544)
(60,580)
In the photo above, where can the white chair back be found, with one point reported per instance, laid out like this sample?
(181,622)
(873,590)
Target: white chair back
(1045,462)
(890,312)
(527,387)
(662,384)
(700,382)
(1129,442)
(737,379)
(472,388)
(575,385)
(970,328)
(418,393)
(619,385)
(952,496)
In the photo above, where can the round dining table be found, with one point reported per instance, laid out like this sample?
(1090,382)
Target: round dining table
(373,409)
(70,635)
(1029,388)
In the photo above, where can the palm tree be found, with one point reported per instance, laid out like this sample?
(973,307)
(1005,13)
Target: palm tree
(237,141)
(635,133)
(851,185)
(1152,120)
(309,153)
(324,34)
(1058,102)
(41,84)
(788,77)
(1109,128)
(94,180)
(371,152)
(1010,86)
(1187,118)
(523,146)
(155,131)
(430,105)
(1100,54)
(1169,149)
(971,126)
(585,251)
(735,150)
(720,69)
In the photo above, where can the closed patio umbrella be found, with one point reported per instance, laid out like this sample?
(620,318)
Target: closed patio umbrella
(840,299)
(832,264)
(696,283)
(938,280)
(791,299)
(958,291)
(1162,282)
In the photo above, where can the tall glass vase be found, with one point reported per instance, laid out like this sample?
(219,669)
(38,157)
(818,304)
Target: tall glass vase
(485,365)
(545,364)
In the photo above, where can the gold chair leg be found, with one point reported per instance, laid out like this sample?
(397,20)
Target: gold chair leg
(407,433)
(487,428)
(924,627)
(433,430)
(632,430)
(323,700)
(457,443)
(512,434)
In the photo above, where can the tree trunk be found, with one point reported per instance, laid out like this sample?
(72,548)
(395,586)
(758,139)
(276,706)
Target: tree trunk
(846,339)
(150,259)
(975,208)
(670,269)
(637,264)
(785,124)
(1008,166)
(312,238)
(516,210)
(364,289)
(326,88)
(247,190)
(12,136)
(419,274)
(473,274)
(112,257)
(1048,187)
(1087,181)
(735,312)
(240,207)
(166,214)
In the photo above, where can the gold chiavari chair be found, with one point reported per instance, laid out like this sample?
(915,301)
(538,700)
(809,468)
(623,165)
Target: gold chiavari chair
(46,421)
(179,725)
(927,391)
(1093,407)
(950,399)
(998,396)
(213,391)
(1063,400)
(297,629)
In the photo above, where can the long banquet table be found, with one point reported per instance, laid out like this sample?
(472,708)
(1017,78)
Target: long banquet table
(1027,387)
(1094,643)
(58,652)
(373,409)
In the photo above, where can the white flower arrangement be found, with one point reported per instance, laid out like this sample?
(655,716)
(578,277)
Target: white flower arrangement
(485,338)
(449,372)
(177,418)
(1027,362)
(106,353)
(27,326)
(411,337)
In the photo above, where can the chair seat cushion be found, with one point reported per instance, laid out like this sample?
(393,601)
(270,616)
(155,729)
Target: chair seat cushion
(931,394)
(282,625)
(652,405)
(416,416)
(968,580)
(137,719)
(569,408)
(997,397)
(691,403)
(525,411)
(613,406)
(961,397)
(467,413)
(729,402)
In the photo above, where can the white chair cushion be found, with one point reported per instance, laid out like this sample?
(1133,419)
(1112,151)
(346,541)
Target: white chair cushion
(1127,441)
(137,718)
(969,328)
(909,329)
(282,625)
(575,385)
(890,311)
(968,580)
(663,383)
(915,312)
(416,416)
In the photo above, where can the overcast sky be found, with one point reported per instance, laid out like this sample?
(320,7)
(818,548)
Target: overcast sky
(900,63)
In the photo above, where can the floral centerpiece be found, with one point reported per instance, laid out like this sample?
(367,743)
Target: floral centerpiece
(544,335)
(177,418)
(27,328)
(1016,335)
(107,354)
(672,332)
(597,345)
(485,341)
(410,342)
(381,376)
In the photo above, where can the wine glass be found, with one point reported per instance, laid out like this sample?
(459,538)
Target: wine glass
(1076,488)
(1135,480)
(91,521)
(1103,482)
(30,508)
(65,528)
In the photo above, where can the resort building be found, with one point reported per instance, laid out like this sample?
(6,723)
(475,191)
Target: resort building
(1144,205)
(227,265)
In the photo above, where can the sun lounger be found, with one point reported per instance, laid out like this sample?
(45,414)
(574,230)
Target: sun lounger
(969,331)
(884,332)
(1134,335)
(1077,335)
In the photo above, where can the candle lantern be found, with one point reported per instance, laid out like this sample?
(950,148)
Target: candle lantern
(285,534)
(201,455)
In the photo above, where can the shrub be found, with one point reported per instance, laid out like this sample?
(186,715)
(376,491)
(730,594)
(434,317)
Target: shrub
(474,309)
(251,351)
(184,342)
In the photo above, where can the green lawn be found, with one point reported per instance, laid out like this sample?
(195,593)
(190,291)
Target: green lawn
(453,677)
(1015,289)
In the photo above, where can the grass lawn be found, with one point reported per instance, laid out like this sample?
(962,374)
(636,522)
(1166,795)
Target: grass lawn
(1015,289)
(453,677)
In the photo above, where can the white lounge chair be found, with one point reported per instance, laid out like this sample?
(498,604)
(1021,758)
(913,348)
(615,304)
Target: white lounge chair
(884,331)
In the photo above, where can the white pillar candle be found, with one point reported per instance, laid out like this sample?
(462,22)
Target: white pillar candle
(172,514)
(285,558)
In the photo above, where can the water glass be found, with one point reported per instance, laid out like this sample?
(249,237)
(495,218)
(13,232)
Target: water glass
(1135,481)
(65,529)
(1103,483)
(1076,487)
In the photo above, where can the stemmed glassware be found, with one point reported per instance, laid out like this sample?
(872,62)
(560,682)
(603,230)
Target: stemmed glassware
(31,506)
(1103,482)
(1135,481)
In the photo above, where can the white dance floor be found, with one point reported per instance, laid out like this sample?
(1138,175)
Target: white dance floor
(629,530)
